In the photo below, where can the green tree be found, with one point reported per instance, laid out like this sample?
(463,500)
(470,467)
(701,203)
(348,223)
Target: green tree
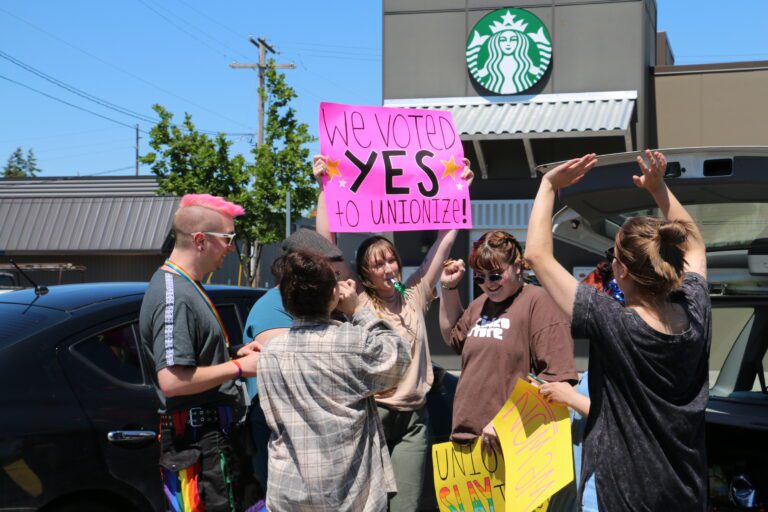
(32,168)
(20,167)
(187,161)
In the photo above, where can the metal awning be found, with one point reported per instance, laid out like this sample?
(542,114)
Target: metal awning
(71,186)
(588,114)
(69,225)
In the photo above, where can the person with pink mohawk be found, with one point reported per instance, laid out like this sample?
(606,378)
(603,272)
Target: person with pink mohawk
(215,203)
(182,332)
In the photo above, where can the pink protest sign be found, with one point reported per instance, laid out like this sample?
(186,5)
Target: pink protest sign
(392,169)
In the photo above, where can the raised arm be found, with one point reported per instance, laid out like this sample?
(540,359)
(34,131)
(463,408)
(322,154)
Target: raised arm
(320,169)
(450,302)
(438,253)
(556,280)
(652,180)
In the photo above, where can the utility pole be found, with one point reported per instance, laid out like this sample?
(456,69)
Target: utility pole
(137,150)
(261,66)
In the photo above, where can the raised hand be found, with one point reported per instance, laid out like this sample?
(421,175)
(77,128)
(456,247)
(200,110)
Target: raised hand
(453,271)
(570,172)
(653,172)
(467,174)
(319,168)
(347,297)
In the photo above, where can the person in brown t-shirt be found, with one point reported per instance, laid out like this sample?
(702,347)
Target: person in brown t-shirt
(511,329)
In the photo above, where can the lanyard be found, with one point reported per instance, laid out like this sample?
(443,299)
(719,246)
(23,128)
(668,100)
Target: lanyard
(183,273)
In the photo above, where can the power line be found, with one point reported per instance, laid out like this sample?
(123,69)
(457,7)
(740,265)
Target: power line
(182,29)
(196,28)
(79,92)
(209,18)
(119,68)
(70,104)
(94,99)
(109,171)
(325,79)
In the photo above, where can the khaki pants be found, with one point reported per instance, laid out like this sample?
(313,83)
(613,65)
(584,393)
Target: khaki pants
(407,438)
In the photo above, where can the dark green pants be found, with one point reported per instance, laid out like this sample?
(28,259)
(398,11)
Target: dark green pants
(408,442)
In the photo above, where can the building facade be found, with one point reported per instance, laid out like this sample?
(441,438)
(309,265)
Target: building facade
(599,79)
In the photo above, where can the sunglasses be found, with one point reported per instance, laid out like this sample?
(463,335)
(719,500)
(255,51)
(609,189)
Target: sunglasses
(493,277)
(230,237)
(610,254)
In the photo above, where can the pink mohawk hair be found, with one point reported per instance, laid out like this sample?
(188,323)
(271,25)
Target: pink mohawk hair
(215,203)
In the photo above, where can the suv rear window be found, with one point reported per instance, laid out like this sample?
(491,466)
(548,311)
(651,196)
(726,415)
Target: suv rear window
(20,321)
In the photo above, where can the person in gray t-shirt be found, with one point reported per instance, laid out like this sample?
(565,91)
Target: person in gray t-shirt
(648,358)
(183,334)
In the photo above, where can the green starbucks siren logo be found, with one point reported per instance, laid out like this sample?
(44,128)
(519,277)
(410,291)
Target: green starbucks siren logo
(508,51)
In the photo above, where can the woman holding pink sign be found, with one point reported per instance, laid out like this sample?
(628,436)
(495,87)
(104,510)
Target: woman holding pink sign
(403,305)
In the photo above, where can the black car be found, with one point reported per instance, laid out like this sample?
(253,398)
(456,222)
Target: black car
(79,415)
(78,427)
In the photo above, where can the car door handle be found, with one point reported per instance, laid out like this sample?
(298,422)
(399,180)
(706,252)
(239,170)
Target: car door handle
(131,436)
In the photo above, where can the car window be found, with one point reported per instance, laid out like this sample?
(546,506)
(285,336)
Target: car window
(757,385)
(723,225)
(20,321)
(739,332)
(232,323)
(727,325)
(113,354)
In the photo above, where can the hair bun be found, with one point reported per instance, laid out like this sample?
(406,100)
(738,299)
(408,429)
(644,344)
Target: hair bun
(673,232)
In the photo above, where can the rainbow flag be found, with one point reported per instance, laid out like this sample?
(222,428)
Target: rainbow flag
(181,489)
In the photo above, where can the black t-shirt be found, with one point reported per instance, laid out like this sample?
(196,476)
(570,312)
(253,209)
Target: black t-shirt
(645,433)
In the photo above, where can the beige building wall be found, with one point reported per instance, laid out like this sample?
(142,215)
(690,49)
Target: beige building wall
(715,105)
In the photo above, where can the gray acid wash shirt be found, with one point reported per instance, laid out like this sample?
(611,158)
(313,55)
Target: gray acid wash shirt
(327,450)
(645,431)
(178,328)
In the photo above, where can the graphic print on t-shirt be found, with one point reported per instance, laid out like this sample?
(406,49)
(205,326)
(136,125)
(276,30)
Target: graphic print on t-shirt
(489,328)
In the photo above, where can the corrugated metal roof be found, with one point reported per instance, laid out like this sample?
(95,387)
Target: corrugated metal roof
(85,224)
(78,187)
(543,115)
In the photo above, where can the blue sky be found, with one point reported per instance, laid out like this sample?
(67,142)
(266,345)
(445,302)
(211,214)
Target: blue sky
(135,53)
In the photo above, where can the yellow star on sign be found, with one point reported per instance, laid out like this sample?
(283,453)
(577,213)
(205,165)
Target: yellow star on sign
(451,167)
(333,168)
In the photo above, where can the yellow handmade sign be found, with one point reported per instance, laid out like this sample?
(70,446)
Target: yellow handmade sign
(536,440)
(468,480)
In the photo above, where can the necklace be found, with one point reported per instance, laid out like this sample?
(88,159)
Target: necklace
(185,275)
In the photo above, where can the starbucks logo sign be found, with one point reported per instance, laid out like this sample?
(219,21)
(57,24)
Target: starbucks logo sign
(508,51)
